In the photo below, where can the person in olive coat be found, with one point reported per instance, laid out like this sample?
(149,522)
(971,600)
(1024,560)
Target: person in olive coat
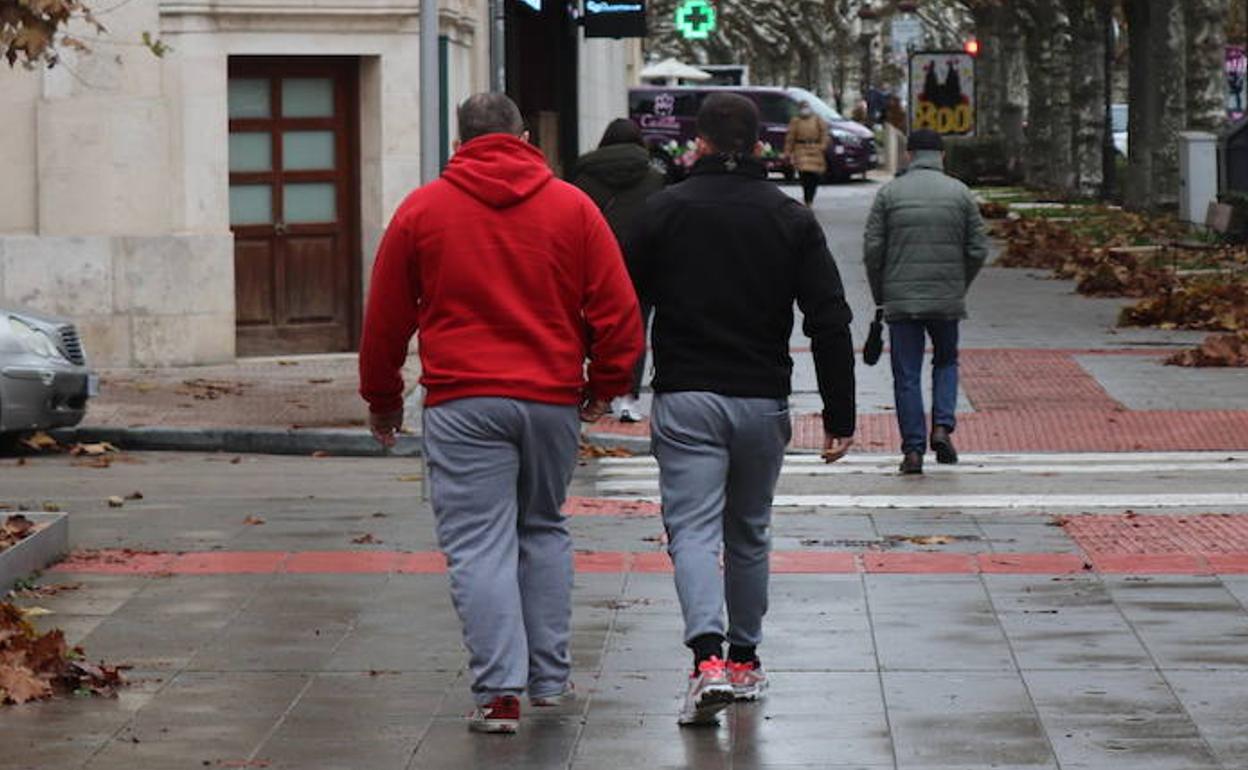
(619,177)
(925,243)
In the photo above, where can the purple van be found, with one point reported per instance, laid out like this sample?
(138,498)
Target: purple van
(667,115)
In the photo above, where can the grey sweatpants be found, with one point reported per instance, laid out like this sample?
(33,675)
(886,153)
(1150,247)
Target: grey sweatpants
(719,460)
(499,471)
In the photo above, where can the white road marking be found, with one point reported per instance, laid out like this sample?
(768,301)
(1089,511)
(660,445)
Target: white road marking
(986,458)
(1208,500)
(810,469)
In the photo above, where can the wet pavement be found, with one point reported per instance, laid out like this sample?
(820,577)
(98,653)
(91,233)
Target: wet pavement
(262,632)
(1030,608)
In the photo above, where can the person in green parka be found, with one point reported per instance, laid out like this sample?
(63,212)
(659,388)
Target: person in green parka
(925,243)
(619,177)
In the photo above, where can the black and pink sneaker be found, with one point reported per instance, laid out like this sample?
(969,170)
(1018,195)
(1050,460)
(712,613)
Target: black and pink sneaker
(748,680)
(709,693)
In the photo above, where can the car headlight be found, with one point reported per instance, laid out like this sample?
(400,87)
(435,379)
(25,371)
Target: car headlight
(35,340)
(846,137)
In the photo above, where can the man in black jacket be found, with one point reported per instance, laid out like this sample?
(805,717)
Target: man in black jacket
(722,257)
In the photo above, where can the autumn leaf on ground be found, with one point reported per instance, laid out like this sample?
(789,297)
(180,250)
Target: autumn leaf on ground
(253,520)
(366,539)
(115,502)
(926,539)
(19,684)
(15,529)
(1218,350)
(41,442)
(35,666)
(92,450)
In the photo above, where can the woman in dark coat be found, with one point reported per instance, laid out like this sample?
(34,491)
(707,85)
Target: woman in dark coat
(619,177)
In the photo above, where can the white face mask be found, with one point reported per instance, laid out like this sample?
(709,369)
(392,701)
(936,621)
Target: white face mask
(805,112)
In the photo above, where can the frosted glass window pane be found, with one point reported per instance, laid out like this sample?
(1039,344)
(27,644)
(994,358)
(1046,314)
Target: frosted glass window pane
(249,98)
(251,204)
(251,151)
(307,150)
(311,202)
(307,98)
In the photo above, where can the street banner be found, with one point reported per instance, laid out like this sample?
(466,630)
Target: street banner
(615,18)
(1236,91)
(942,92)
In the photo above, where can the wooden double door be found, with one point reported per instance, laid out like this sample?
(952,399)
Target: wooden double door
(294,203)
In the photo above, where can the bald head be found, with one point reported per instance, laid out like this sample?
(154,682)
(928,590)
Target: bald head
(489,113)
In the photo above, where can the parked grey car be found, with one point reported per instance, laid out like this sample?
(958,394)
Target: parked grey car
(44,378)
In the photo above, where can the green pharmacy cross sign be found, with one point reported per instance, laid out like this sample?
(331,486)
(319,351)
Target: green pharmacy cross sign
(695,19)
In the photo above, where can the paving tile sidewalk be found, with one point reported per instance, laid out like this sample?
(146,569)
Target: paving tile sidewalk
(290,392)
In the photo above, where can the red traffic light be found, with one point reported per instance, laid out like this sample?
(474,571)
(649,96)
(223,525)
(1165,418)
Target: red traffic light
(972,47)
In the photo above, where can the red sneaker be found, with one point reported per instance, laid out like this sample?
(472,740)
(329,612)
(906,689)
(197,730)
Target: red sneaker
(501,715)
(748,680)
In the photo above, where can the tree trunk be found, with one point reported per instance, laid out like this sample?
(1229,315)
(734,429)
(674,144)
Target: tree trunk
(1061,80)
(1048,111)
(989,70)
(1205,22)
(1158,97)
(1087,97)
(1170,79)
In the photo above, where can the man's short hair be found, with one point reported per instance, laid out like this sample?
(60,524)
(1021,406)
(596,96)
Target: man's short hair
(489,113)
(729,123)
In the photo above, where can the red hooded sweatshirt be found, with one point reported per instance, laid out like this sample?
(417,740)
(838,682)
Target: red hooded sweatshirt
(513,279)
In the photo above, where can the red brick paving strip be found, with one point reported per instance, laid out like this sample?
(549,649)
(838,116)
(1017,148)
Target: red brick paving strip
(1037,431)
(1033,380)
(614,562)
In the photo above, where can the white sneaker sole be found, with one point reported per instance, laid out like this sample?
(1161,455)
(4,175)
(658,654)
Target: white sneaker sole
(714,699)
(495,726)
(750,693)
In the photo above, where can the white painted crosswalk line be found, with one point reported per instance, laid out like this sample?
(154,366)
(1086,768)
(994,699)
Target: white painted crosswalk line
(1072,458)
(637,478)
(1037,502)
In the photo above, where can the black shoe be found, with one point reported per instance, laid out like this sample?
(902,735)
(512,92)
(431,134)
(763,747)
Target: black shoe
(942,444)
(912,464)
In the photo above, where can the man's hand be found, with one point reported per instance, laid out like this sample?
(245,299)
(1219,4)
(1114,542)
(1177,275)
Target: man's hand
(385,426)
(593,409)
(835,447)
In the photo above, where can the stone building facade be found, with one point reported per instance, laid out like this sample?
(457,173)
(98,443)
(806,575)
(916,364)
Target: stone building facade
(225,198)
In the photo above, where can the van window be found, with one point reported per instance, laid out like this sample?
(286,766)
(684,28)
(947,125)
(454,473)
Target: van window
(776,108)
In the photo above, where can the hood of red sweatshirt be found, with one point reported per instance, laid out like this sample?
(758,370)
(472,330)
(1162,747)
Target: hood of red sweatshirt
(499,170)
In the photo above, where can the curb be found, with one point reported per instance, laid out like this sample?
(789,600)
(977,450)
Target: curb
(337,442)
(36,552)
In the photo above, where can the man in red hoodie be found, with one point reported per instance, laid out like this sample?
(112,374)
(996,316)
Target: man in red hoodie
(513,280)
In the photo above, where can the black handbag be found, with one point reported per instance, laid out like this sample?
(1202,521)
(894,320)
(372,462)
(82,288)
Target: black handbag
(874,345)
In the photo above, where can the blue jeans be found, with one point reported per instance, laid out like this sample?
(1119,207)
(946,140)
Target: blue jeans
(907,341)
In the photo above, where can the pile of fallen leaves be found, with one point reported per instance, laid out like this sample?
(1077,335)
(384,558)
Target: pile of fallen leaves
(1038,243)
(16,528)
(994,210)
(1217,350)
(36,666)
(1206,303)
